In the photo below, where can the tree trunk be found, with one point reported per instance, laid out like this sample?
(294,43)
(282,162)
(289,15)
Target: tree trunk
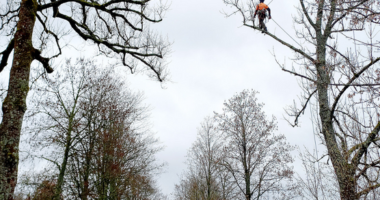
(348,189)
(87,168)
(14,105)
(86,176)
(247,176)
(343,170)
(58,188)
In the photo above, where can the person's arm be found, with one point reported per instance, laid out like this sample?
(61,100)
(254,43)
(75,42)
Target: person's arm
(257,7)
(270,17)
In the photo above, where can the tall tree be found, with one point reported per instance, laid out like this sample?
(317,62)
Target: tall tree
(95,130)
(237,155)
(58,116)
(205,178)
(343,80)
(256,157)
(118,28)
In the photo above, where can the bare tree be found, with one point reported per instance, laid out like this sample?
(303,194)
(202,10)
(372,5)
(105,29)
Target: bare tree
(96,132)
(237,152)
(123,158)
(118,28)
(344,82)
(205,178)
(115,158)
(57,125)
(255,156)
(189,188)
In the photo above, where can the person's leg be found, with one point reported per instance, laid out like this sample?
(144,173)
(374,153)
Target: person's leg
(262,25)
(260,19)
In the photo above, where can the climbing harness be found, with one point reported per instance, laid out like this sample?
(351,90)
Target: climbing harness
(262,15)
(261,11)
(262,24)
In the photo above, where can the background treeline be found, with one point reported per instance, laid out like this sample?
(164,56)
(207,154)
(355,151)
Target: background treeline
(88,138)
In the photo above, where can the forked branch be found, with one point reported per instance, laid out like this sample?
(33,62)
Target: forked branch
(298,113)
(363,147)
(44,61)
(348,84)
(6,53)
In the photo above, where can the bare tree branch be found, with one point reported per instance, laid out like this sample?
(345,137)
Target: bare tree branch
(284,43)
(356,75)
(300,75)
(6,53)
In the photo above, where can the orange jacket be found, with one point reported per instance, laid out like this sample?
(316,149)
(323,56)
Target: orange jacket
(261,6)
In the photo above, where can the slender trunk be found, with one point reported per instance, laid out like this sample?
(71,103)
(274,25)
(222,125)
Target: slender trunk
(209,185)
(14,105)
(86,175)
(209,169)
(86,190)
(58,188)
(247,185)
(113,189)
(247,175)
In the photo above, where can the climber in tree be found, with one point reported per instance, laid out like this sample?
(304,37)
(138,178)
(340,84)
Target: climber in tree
(261,11)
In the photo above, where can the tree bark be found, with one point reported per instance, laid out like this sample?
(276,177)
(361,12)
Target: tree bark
(344,171)
(14,105)
(247,175)
(58,188)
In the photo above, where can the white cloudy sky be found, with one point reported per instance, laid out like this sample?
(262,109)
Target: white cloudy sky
(213,58)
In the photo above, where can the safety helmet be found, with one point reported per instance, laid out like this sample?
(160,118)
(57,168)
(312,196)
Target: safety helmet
(261,1)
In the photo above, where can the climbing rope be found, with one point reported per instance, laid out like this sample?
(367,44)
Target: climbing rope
(286,33)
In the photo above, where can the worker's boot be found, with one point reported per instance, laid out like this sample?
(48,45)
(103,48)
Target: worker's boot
(264,29)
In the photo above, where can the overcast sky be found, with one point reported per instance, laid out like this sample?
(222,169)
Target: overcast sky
(212,59)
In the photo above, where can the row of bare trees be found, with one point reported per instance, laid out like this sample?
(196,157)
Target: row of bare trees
(238,155)
(93,134)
